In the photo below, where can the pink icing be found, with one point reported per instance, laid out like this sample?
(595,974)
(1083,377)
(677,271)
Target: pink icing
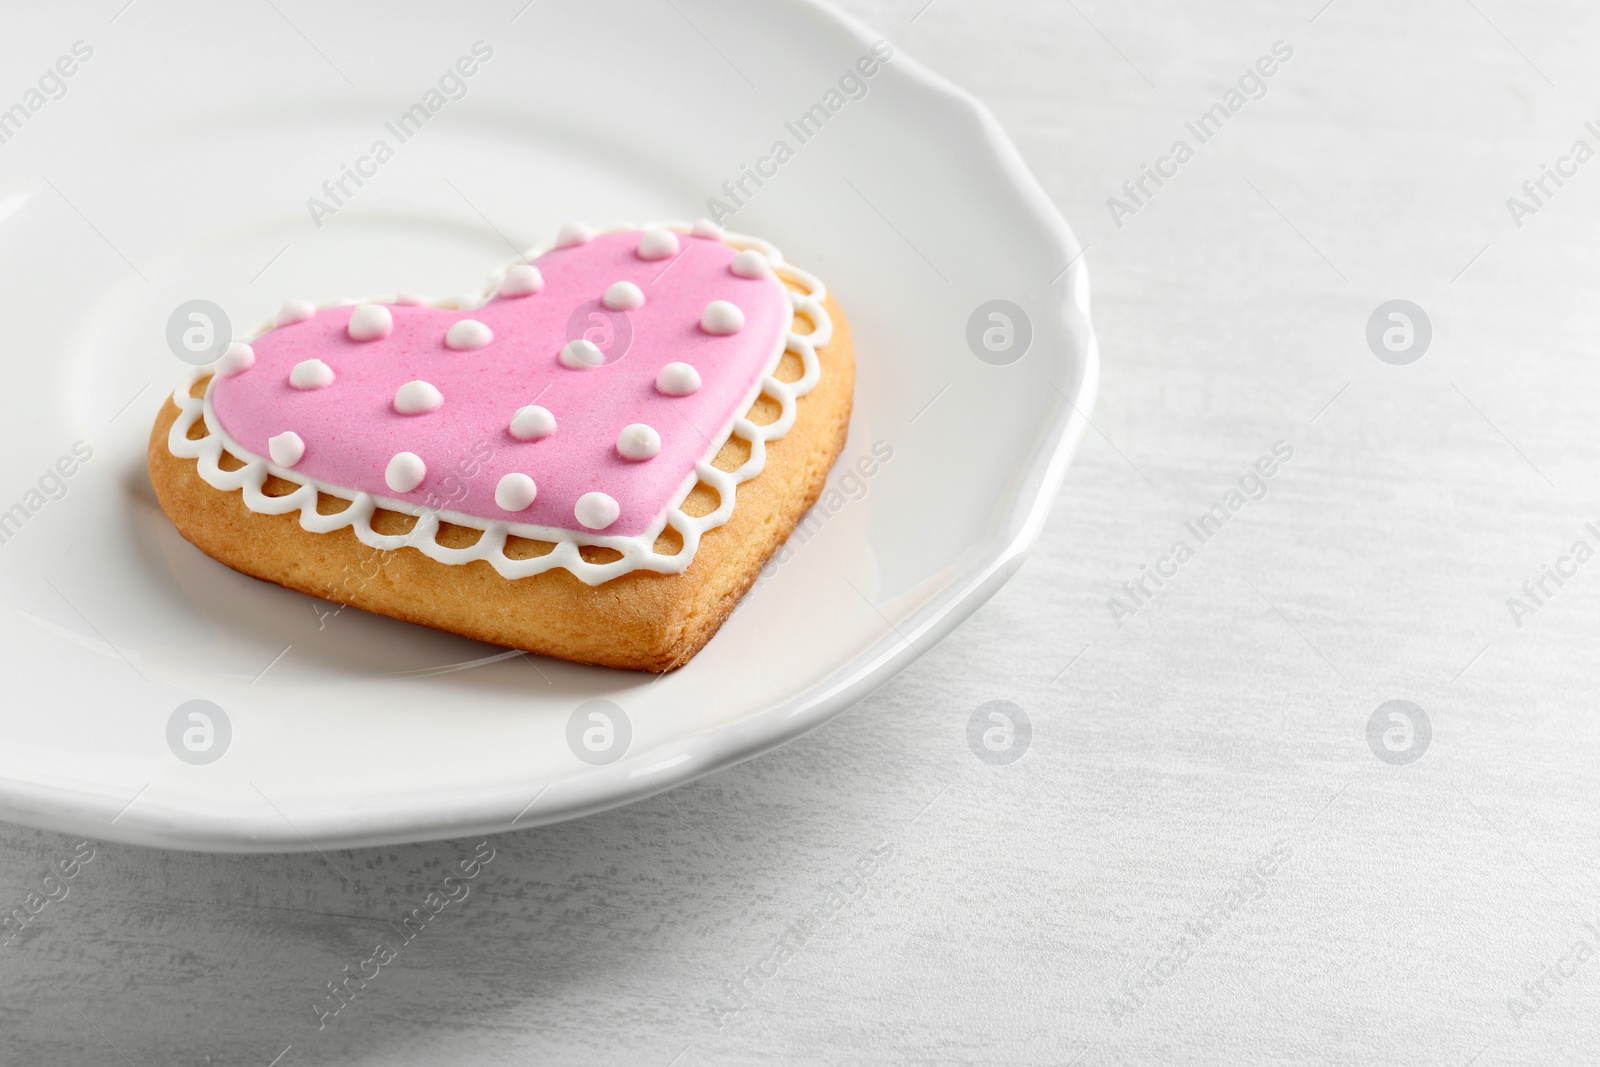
(351,430)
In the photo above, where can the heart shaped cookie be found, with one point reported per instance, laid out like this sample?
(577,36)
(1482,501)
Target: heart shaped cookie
(590,459)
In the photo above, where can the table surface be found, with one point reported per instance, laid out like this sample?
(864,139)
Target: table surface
(1207,853)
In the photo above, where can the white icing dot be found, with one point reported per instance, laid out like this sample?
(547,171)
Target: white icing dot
(581,355)
(623,296)
(656,243)
(235,358)
(370,322)
(722,318)
(707,229)
(468,334)
(750,264)
(405,472)
(521,279)
(596,510)
(417,398)
(515,492)
(638,441)
(573,233)
(411,299)
(311,374)
(286,449)
(678,379)
(294,311)
(532,422)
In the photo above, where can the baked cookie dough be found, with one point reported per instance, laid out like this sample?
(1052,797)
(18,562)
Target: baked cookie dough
(590,460)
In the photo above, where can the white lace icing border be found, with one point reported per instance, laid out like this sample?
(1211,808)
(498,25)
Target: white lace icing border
(637,553)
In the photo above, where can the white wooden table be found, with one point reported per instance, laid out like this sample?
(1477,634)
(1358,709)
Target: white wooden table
(1200,858)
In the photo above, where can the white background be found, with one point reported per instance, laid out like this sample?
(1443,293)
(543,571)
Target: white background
(1169,754)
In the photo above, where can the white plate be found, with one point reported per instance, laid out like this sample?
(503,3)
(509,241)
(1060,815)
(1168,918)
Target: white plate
(184,175)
